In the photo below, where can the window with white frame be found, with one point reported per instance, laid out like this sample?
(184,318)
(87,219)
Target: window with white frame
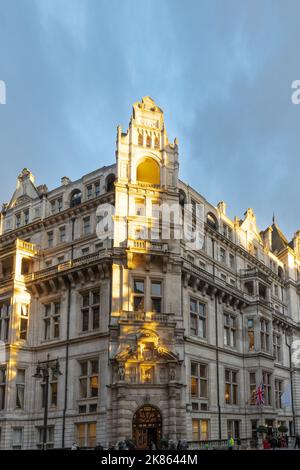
(59,204)
(5,314)
(89,191)
(252,385)
(86,434)
(86,225)
(267,382)
(18,220)
(156,296)
(200,428)
(140,208)
(24,321)
(233,428)
(89,378)
(230,330)
(97,188)
(50,236)
(20,388)
(51,320)
(278,392)
(231,387)
(2,387)
(197,318)
(62,234)
(17,438)
(26,217)
(277,345)
(222,255)
(49,437)
(199,380)
(138,295)
(250,334)
(90,310)
(52,391)
(265,335)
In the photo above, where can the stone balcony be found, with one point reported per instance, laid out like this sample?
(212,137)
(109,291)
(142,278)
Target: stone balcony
(147,245)
(88,268)
(147,317)
(254,273)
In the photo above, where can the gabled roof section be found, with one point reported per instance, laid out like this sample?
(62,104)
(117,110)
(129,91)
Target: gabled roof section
(249,225)
(279,241)
(25,190)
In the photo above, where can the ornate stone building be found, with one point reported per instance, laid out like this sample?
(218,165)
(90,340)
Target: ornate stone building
(154,339)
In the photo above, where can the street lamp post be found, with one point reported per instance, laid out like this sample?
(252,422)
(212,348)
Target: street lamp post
(43,370)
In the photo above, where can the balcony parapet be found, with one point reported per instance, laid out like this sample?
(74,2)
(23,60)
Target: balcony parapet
(27,246)
(147,245)
(65,266)
(252,273)
(147,316)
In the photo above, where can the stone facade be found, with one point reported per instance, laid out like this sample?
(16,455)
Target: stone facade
(154,339)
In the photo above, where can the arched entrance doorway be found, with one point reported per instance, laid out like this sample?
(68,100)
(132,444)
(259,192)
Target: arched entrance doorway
(146,426)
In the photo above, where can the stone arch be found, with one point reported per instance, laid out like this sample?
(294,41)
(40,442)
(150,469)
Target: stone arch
(148,171)
(212,220)
(75,198)
(109,182)
(147,426)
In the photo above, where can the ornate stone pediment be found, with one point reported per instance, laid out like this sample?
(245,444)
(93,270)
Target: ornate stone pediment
(21,200)
(145,346)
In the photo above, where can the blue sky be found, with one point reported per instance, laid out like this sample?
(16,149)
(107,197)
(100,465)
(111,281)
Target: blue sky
(221,70)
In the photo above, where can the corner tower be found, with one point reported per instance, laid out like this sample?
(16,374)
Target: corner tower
(146,334)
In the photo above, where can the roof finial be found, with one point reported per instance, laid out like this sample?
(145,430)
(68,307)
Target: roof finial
(273,219)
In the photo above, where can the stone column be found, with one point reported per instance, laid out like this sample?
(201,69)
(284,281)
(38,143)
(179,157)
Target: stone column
(172,411)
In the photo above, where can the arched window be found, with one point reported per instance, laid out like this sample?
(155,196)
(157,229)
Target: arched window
(76,197)
(156,143)
(212,220)
(140,139)
(109,182)
(148,171)
(148,141)
(280,272)
(182,197)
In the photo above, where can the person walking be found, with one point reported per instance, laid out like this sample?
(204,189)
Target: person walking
(297,442)
(230,442)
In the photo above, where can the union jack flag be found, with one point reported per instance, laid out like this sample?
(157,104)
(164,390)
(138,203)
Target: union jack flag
(260,395)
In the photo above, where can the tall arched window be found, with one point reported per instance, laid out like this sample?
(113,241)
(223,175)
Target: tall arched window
(212,220)
(140,139)
(156,143)
(148,141)
(109,182)
(148,171)
(280,272)
(76,197)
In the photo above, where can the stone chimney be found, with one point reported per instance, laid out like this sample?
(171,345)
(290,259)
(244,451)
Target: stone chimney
(222,207)
(65,181)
